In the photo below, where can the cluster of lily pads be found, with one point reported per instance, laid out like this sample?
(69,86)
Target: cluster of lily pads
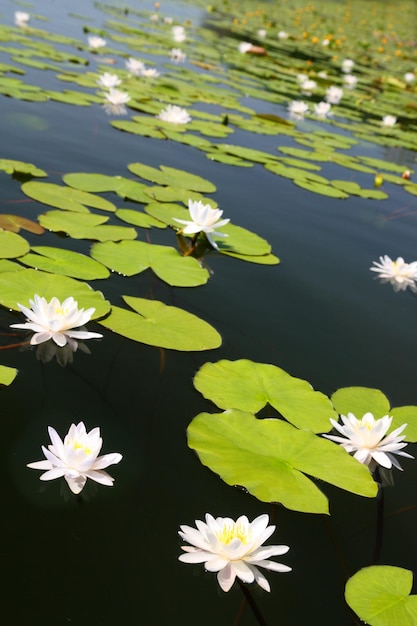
(200,104)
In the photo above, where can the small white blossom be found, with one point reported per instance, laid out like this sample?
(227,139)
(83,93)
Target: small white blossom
(174,114)
(262,33)
(168,20)
(76,458)
(95,42)
(409,77)
(366,439)
(134,66)
(232,548)
(398,273)
(282,35)
(115,101)
(204,219)
(322,109)
(389,121)
(308,86)
(325,42)
(56,320)
(244,47)
(297,109)
(334,94)
(350,81)
(178,34)
(21,19)
(149,72)
(108,80)
(347,66)
(177,55)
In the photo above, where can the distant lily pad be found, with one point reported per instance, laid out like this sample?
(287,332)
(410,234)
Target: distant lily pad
(10,167)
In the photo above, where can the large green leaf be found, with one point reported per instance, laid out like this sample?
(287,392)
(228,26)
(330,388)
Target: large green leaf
(30,282)
(156,324)
(172,177)
(134,257)
(65,198)
(85,226)
(250,386)
(270,458)
(7,375)
(66,262)
(12,245)
(380,596)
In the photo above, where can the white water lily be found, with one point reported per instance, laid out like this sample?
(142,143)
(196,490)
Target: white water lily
(322,109)
(95,42)
(350,81)
(178,34)
(262,33)
(21,18)
(409,77)
(204,219)
(134,66)
(149,72)
(177,55)
(76,458)
(347,65)
(297,109)
(244,47)
(115,101)
(232,548)
(366,439)
(56,320)
(400,274)
(334,94)
(389,121)
(108,80)
(282,35)
(308,86)
(174,114)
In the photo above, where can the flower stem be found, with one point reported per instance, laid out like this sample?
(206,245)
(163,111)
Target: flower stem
(380,518)
(250,600)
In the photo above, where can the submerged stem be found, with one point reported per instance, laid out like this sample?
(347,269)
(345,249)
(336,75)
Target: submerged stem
(380,518)
(251,601)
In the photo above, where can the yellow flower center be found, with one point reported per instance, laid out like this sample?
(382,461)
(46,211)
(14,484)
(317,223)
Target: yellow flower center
(77,445)
(61,311)
(232,531)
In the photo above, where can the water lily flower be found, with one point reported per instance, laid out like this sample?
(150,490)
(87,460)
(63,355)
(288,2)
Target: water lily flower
(282,35)
(174,114)
(204,219)
(168,20)
(115,101)
(134,66)
(347,65)
(177,55)
(409,77)
(21,18)
(232,548)
(366,439)
(302,78)
(297,109)
(262,33)
(322,109)
(108,80)
(350,81)
(178,34)
(308,86)
(56,320)
(95,42)
(149,72)
(244,47)
(334,94)
(76,458)
(399,273)
(389,121)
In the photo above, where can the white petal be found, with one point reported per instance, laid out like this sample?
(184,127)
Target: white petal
(199,556)
(76,484)
(107,459)
(226,577)
(42,465)
(55,472)
(99,476)
(243,571)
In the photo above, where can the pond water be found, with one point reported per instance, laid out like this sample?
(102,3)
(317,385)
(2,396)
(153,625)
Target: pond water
(110,556)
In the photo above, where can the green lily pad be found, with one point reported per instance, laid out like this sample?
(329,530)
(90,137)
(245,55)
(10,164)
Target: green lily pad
(133,257)
(381,164)
(10,167)
(12,245)
(250,386)
(9,266)
(320,188)
(65,198)
(380,596)
(137,218)
(270,458)
(7,375)
(85,226)
(65,262)
(172,177)
(48,285)
(157,324)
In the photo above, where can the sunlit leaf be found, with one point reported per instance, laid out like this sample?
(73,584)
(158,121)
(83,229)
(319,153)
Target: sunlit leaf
(7,375)
(12,245)
(380,596)
(157,324)
(85,226)
(65,262)
(360,400)
(271,458)
(66,198)
(250,386)
(30,282)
